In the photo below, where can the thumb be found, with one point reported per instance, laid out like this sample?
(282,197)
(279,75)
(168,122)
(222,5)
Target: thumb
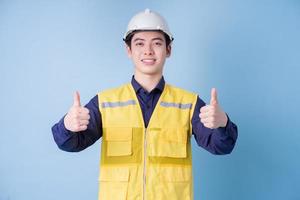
(76,99)
(213,97)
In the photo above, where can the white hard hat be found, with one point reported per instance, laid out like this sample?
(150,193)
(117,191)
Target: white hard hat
(148,20)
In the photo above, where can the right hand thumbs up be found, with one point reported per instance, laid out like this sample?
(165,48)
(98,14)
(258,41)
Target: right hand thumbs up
(78,116)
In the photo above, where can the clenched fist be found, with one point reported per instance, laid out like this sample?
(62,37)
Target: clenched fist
(78,116)
(212,116)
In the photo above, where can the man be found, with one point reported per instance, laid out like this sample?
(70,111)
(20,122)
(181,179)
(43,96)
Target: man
(146,125)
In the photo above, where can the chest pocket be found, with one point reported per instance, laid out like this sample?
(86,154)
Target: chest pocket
(167,142)
(118,141)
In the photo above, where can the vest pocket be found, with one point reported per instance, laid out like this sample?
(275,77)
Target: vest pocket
(119,141)
(171,183)
(113,183)
(168,142)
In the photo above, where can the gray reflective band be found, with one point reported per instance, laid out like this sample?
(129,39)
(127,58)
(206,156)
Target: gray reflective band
(176,105)
(117,104)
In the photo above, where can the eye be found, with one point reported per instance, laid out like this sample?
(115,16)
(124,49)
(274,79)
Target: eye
(158,43)
(139,44)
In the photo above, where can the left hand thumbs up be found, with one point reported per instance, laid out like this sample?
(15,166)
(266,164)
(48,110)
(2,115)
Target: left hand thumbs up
(212,116)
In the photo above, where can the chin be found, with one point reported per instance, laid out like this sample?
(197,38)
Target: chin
(150,73)
(149,70)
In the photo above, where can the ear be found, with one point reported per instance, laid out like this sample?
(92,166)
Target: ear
(169,50)
(128,51)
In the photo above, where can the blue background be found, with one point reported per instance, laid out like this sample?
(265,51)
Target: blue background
(248,50)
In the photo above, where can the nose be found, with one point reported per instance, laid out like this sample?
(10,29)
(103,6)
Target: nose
(148,50)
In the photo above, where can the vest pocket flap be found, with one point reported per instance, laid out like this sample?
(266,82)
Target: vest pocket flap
(162,149)
(174,135)
(176,174)
(118,141)
(114,175)
(116,148)
(118,134)
(168,142)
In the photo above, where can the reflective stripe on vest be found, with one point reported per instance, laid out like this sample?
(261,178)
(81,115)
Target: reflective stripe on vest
(117,104)
(176,105)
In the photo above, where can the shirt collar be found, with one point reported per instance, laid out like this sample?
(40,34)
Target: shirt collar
(160,86)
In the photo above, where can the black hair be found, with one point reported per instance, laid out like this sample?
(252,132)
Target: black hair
(128,39)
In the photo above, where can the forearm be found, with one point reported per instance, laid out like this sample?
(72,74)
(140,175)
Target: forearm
(218,141)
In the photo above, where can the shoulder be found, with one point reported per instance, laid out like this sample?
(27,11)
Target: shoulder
(180,91)
(115,90)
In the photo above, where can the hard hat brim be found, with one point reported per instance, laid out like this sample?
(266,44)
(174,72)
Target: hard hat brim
(131,32)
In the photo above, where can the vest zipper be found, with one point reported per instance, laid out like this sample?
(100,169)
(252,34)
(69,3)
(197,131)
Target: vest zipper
(144,169)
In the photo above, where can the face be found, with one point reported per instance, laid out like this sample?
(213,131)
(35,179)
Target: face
(148,52)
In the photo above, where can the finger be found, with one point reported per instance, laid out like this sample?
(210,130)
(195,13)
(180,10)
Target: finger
(205,108)
(213,97)
(84,110)
(78,113)
(204,115)
(76,101)
(83,122)
(208,120)
(80,119)
(83,116)
(210,110)
(208,125)
(203,121)
(209,116)
(83,127)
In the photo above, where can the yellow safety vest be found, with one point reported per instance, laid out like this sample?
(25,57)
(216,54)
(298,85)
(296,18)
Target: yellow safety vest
(153,163)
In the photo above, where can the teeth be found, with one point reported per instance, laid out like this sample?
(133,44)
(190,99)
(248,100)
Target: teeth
(148,60)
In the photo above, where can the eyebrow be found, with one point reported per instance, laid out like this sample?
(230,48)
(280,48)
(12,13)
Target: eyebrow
(157,38)
(136,39)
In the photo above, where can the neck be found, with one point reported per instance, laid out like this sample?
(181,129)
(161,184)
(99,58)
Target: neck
(148,82)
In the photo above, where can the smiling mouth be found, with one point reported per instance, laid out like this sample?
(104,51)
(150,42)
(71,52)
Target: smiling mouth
(149,61)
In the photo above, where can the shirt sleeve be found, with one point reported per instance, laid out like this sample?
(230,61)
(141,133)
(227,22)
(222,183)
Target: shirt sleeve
(74,142)
(217,141)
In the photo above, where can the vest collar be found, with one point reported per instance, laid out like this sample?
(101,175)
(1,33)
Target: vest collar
(137,87)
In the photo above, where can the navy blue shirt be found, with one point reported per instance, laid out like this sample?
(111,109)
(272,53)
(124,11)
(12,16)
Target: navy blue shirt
(216,141)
